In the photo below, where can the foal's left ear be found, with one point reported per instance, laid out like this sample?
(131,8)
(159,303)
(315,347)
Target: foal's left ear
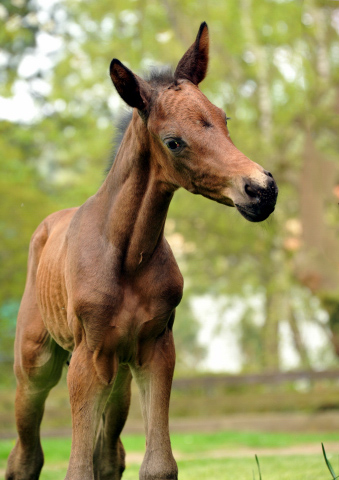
(193,65)
(131,88)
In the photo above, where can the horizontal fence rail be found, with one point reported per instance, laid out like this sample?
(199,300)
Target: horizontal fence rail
(274,378)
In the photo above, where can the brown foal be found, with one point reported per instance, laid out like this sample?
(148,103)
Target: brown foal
(103,283)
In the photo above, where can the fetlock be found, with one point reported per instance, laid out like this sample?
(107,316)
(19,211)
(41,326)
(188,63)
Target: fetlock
(24,465)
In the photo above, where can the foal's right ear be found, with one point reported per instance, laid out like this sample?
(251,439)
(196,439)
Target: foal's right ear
(131,88)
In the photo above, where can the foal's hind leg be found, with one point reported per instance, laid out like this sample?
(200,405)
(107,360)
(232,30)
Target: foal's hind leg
(38,366)
(109,454)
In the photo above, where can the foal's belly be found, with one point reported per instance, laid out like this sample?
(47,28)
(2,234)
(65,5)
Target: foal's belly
(52,295)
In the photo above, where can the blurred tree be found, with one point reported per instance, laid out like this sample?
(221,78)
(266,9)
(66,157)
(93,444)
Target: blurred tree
(23,202)
(318,260)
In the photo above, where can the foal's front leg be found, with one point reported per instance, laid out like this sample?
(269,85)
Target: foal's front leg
(109,453)
(154,379)
(88,396)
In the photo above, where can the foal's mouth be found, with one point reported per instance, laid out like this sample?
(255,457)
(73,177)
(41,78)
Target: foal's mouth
(259,200)
(253,214)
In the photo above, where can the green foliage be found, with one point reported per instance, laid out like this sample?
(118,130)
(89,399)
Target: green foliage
(8,314)
(23,206)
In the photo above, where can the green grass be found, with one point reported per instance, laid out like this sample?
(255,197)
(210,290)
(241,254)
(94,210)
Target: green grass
(195,453)
(328,463)
(204,442)
(272,468)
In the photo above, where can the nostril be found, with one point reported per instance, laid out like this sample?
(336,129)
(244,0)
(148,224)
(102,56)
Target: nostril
(269,174)
(251,192)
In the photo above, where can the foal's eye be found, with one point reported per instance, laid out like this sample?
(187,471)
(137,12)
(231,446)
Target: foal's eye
(175,145)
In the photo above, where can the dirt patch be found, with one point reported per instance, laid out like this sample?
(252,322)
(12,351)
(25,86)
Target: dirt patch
(265,422)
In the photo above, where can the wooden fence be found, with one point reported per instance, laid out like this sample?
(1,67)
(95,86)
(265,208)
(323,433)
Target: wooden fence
(273,378)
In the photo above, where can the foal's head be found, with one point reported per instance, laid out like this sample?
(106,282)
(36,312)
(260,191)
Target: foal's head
(189,139)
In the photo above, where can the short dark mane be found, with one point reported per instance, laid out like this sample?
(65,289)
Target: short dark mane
(160,76)
(157,77)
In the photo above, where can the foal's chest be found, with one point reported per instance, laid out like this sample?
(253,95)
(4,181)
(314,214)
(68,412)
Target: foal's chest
(118,310)
(149,296)
(146,310)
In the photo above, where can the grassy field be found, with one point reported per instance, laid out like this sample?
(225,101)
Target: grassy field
(216,456)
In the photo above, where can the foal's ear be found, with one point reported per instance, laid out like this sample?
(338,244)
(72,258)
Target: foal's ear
(131,88)
(194,63)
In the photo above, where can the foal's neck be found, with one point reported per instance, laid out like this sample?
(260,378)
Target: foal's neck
(136,200)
